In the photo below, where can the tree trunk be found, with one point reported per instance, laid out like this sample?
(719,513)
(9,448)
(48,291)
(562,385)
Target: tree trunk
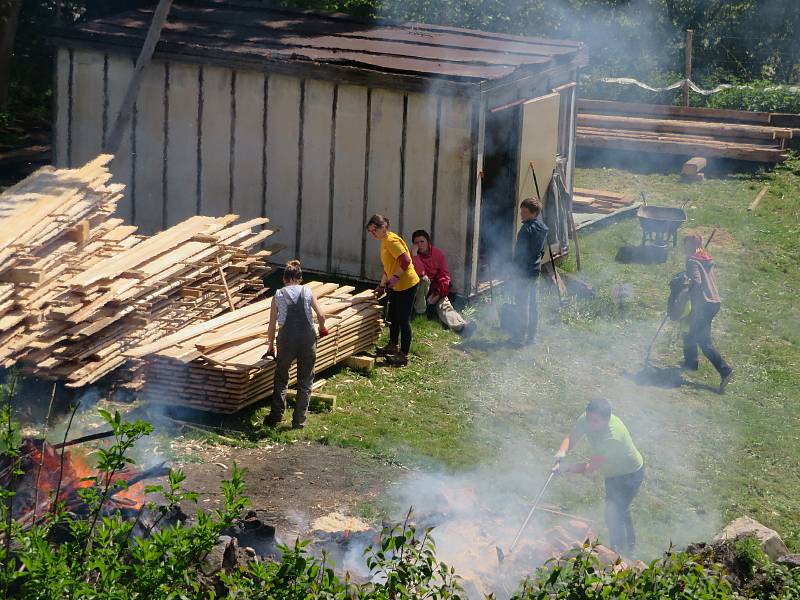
(9,16)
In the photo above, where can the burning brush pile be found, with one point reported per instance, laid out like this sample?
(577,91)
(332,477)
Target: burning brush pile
(48,474)
(467,532)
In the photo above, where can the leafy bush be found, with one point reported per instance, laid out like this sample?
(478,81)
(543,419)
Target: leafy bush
(583,577)
(100,557)
(402,565)
(758,96)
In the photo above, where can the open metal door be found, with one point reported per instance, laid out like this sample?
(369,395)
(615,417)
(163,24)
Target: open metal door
(538,145)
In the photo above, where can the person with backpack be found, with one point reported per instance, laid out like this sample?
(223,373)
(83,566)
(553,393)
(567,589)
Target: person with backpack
(701,282)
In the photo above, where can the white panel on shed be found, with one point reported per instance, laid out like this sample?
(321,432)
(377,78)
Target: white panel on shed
(317,123)
(386,138)
(248,144)
(87,106)
(348,182)
(420,151)
(216,141)
(538,145)
(61,128)
(149,205)
(182,143)
(283,131)
(452,196)
(120,71)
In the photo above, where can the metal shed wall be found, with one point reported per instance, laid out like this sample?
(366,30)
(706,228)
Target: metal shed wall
(314,156)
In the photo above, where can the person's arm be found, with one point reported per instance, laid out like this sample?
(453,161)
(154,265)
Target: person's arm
(320,315)
(442,275)
(586,468)
(399,253)
(273,320)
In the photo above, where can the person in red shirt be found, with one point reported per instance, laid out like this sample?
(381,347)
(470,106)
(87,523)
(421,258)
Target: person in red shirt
(431,265)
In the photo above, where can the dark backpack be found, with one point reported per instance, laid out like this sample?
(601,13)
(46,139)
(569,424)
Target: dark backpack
(678,296)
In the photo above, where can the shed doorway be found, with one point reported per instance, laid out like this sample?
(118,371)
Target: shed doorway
(498,193)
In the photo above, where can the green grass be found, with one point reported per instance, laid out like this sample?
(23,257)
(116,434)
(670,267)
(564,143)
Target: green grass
(709,457)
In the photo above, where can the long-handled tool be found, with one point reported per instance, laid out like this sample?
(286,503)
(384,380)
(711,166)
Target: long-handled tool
(501,556)
(562,290)
(492,316)
(666,316)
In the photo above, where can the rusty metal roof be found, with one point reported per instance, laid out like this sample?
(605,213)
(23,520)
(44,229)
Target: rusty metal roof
(246,33)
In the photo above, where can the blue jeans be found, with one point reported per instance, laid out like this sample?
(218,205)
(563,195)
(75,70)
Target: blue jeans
(620,492)
(527,309)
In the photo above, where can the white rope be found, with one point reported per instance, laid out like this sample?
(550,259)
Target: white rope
(679,84)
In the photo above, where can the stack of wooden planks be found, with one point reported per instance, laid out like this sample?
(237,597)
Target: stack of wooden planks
(79,287)
(218,365)
(702,132)
(598,201)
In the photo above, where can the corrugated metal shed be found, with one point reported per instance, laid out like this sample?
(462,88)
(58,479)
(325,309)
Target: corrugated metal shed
(239,33)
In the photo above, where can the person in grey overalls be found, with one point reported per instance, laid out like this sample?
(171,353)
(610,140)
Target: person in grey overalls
(291,309)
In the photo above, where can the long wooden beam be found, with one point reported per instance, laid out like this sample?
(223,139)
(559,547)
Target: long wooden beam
(153,34)
(678,126)
(769,155)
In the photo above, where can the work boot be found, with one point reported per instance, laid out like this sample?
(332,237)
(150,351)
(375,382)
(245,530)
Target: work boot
(468,329)
(400,359)
(272,420)
(516,342)
(724,380)
(387,350)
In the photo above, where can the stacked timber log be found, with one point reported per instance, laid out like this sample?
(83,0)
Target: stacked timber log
(218,365)
(586,200)
(79,287)
(701,132)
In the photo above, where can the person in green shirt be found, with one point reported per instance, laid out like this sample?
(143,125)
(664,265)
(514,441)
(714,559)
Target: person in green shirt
(616,458)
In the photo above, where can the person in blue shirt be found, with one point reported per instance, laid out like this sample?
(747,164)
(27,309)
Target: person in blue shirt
(528,253)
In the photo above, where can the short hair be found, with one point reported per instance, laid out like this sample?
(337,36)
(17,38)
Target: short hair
(292,271)
(600,407)
(421,233)
(377,221)
(533,205)
(694,239)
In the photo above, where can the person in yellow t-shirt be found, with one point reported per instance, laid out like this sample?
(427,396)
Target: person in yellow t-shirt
(617,459)
(399,280)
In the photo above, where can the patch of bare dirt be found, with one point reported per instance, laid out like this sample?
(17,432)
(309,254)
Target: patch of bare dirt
(294,483)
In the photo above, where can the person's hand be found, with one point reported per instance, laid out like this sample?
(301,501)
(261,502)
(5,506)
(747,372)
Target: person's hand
(556,469)
(392,281)
(270,353)
(323,331)
(559,456)
(433,299)
(380,291)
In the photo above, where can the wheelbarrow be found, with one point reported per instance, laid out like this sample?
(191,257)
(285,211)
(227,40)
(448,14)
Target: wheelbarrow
(660,224)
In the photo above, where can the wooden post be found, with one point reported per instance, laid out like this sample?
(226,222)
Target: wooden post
(149,46)
(225,285)
(687,67)
(754,204)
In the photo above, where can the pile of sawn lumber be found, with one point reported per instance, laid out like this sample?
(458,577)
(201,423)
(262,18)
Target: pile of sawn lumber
(218,365)
(586,200)
(688,131)
(78,287)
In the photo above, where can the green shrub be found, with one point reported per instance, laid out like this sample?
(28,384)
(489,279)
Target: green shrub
(583,577)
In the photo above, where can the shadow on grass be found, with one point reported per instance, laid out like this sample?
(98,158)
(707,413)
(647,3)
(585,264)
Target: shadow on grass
(482,345)
(665,378)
